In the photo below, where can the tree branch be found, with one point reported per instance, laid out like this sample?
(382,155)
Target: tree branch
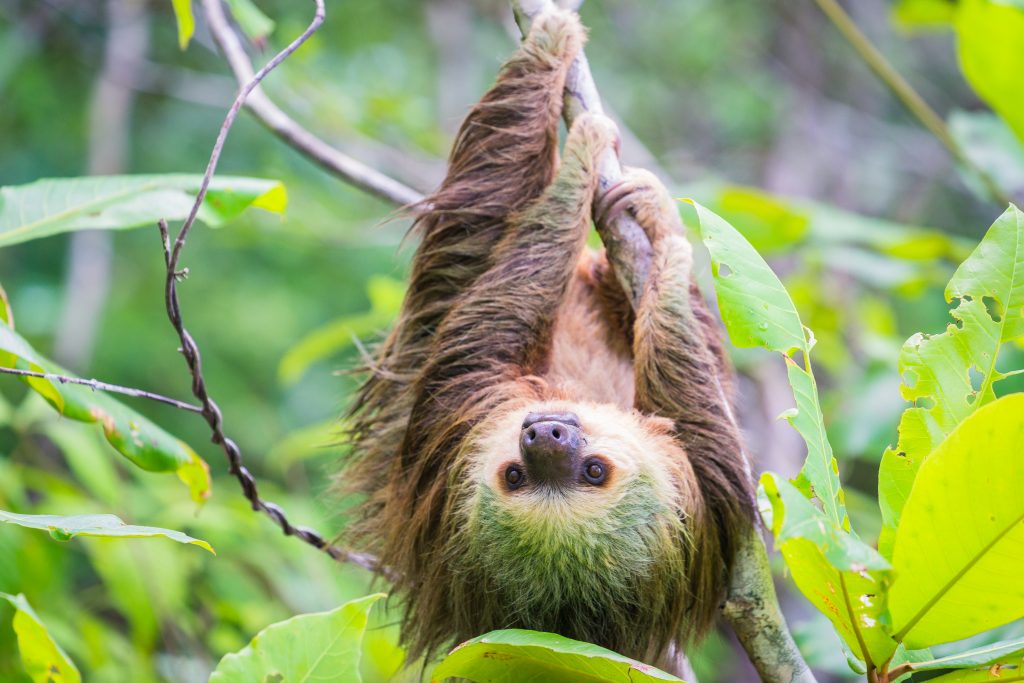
(210,410)
(287,129)
(97,385)
(751,606)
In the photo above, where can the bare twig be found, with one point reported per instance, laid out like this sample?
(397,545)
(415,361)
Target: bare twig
(287,129)
(97,385)
(210,410)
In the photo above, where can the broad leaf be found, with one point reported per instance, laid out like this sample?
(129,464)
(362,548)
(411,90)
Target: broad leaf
(42,657)
(1006,670)
(516,655)
(186,22)
(989,36)
(841,576)
(321,647)
(66,527)
(972,658)
(50,207)
(958,559)
(758,311)
(134,436)
(937,369)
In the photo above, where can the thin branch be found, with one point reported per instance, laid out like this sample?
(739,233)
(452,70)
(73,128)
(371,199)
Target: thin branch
(905,92)
(287,129)
(97,385)
(210,410)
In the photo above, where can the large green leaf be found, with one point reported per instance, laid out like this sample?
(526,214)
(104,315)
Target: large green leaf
(758,311)
(516,655)
(841,576)
(321,647)
(134,436)
(937,369)
(42,657)
(66,527)
(989,36)
(52,206)
(959,553)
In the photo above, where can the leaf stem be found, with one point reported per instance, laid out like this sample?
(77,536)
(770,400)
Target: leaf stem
(906,94)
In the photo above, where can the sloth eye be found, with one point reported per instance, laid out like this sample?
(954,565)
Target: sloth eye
(514,476)
(594,472)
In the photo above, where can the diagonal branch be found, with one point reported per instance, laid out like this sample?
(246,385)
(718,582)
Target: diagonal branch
(210,410)
(350,170)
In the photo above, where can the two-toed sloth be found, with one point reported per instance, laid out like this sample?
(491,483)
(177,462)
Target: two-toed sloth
(528,452)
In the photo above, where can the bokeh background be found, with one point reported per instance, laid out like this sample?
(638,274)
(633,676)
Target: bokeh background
(758,108)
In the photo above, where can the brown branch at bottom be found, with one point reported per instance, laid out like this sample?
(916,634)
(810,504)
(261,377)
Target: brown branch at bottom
(209,409)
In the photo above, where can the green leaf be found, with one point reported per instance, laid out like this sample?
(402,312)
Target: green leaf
(53,206)
(255,24)
(1006,670)
(186,22)
(66,527)
(937,369)
(958,558)
(516,655)
(758,311)
(323,647)
(385,297)
(132,435)
(841,576)
(924,14)
(972,658)
(990,144)
(989,36)
(43,658)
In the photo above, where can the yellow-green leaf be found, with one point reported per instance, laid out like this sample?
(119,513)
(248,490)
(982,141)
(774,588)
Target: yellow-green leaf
(42,657)
(186,22)
(958,558)
(66,527)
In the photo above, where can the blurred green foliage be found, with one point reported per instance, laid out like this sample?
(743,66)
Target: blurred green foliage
(755,108)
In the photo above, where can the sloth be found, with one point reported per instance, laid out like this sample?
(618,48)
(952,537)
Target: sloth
(528,451)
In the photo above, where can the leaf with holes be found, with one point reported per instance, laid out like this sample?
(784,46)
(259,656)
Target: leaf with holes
(958,558)
(516,655)
(758,311)
(42,657)
(950,375)
(53,206)
(323,647)
(132,435)
(841,576)
(66,527)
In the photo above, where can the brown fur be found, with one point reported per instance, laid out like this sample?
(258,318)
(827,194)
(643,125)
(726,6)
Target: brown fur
(507,311)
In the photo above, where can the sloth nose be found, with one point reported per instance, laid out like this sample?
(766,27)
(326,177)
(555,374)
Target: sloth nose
(550,446)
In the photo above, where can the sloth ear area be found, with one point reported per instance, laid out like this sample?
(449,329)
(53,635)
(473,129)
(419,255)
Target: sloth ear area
(661,426)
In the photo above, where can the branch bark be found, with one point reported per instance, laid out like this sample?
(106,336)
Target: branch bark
(751,606)
(346,168)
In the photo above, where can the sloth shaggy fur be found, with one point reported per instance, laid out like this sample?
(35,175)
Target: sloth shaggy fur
(509,313)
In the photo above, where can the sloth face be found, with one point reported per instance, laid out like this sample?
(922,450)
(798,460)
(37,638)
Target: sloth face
(573,504)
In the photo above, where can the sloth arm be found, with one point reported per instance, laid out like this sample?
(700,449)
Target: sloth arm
(500,329)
